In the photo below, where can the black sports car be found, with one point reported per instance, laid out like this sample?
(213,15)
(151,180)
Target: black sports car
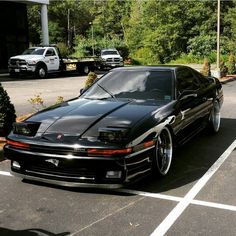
(123,127)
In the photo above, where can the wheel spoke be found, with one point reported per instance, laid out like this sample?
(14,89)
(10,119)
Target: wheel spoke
(164,151)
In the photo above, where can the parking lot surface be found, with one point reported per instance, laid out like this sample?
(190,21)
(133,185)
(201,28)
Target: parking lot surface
(196,198)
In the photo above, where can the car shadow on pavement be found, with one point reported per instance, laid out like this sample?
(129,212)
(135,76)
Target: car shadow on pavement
(192,160)
(29,232)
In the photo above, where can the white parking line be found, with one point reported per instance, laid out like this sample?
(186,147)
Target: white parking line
(184,203)
(5,173)
(178,199)
(214,205)
(154,195)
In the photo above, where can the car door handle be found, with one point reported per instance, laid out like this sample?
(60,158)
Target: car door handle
(183,113)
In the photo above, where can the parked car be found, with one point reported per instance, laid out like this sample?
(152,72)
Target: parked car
(125,126)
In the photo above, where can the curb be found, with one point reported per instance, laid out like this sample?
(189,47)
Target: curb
(1,155)
(230,79)
(2,142)
(4,74)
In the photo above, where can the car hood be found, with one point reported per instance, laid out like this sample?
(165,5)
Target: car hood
(82,118)
(28,57)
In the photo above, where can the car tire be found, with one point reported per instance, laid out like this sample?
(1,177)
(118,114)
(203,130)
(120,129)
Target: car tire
(214,119)
(86,70)
(13,74)
(100,67)
(163,153)
(41,72)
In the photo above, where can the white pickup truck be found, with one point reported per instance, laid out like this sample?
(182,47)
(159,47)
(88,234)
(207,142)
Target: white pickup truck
(43,60)
(110,58)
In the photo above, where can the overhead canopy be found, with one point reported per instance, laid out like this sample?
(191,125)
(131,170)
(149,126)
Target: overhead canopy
(29,1)
(14,36)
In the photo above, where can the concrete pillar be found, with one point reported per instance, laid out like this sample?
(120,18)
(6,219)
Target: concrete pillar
(44,23)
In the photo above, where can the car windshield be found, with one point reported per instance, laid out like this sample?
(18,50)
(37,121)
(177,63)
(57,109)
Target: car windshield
(133,84)
(110,52)
(34,51)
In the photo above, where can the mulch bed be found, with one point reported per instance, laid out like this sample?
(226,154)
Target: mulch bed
(227,78)
(2,143)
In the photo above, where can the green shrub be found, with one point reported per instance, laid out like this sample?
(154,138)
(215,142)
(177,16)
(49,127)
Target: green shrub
(223,69)
(206,70)
(37,102)
(7,113)
(64,50)
(145,56)
(92,77)
(231,64)
(187,59)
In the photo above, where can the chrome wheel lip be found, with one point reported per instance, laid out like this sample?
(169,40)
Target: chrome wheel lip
(42,73)
(215,116)
(86,69)
(164,150)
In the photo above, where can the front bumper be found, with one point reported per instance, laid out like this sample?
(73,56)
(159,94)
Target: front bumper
(112,64)
(66,183)
(78,171)
(22,69)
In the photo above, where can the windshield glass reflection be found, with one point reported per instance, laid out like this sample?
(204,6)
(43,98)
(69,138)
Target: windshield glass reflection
(128,84)
(33,51)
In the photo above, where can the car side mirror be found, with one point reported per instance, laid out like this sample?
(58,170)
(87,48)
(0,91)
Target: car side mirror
(187,94)
(82,90)
(211,79)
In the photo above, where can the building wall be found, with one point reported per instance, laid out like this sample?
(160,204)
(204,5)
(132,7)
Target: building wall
(14,31)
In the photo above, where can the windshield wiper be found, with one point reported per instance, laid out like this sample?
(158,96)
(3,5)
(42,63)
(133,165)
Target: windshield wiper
(113,96)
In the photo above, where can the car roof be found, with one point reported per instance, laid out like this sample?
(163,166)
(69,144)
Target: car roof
(156,67)
(109,49)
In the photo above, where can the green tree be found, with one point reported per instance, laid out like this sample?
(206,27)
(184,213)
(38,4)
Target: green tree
(153,31)
(33,12)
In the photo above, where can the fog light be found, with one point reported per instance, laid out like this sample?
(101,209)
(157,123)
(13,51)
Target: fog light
(16,165)
(113,174)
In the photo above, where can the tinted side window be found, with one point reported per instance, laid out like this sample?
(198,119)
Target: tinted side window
(186,80)
(160,81)
(203,80)
(50,52)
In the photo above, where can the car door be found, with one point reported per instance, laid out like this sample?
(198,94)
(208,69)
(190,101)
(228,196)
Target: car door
(192,105)
(52,60)
(206,94)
